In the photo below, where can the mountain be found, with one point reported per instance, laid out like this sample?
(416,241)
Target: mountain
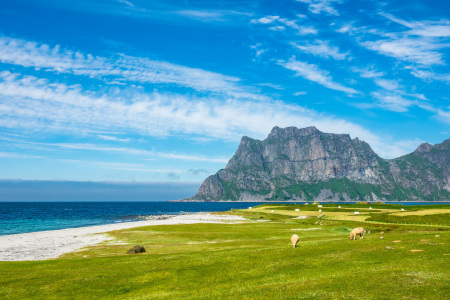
(307,164)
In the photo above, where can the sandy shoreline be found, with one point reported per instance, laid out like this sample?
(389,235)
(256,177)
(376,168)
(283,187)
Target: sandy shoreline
(51,244)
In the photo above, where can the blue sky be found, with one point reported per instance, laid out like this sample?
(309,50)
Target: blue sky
(155,91)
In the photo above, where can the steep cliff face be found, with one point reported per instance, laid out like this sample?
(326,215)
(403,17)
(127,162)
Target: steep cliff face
(426,170)
(307,164)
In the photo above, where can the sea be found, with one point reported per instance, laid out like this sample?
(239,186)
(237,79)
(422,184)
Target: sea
(23,217)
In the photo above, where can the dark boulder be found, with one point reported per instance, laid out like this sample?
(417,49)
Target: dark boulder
(136,249)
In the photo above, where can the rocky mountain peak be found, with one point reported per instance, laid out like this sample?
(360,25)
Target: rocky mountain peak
(305,163)
(425,147)
(290,132)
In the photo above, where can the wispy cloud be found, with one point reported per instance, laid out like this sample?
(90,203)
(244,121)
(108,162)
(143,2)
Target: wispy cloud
(265,20)
(278,23)
(202,15)
(192,157)
(313,73)
(120,166)
(430,76)
(127,3)
(391,85)
(32,104)
(211,15)
(19,155)
(305,30)
(273,86)
(423,28)
(299,29)
(321,6)
(369,72)
(420,43)
(113,138)
(277,28)
(416,50)
(105,149)
(118,69)
(442,115)
(392,101)
(259,50)
(321,49)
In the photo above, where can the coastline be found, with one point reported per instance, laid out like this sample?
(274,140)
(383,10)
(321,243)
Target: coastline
(51,244)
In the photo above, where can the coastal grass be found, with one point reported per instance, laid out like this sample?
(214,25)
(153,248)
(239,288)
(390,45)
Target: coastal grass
(251,260)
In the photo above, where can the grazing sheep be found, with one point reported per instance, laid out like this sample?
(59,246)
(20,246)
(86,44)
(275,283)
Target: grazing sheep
(357,231)
(294,240)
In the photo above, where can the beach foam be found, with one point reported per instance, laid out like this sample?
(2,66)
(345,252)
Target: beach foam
(51,244)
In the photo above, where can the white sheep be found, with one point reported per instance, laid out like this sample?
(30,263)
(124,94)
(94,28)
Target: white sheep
(294,240)
(357,231)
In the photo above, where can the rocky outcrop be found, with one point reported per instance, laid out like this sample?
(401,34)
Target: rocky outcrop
(136,249)
(307,164)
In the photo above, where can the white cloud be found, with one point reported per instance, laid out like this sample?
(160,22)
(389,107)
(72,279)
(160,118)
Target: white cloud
(345,28)
(305,30)
(314,73)
(393,101)
(442,115)
(18,155)
(258,49)
(33,105)
(395,98)
(390,85)
(193,157)
(428,75)
(265,20)
(201,15)
(423,28)
(321,6)
(416,50)
(119,69)
(127,3)
(321,49)
(276,26)
(128,151)
(420,43)
(113,138)
(302,93)
(210,15)
(273,86)
(369,72)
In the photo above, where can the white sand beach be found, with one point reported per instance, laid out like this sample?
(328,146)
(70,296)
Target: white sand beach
(51,244)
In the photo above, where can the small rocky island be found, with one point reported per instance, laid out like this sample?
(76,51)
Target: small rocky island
(294,164)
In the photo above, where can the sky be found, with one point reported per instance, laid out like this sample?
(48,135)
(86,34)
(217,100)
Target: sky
(163,91)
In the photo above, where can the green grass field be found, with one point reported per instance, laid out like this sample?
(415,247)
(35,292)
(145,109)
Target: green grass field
(252,260)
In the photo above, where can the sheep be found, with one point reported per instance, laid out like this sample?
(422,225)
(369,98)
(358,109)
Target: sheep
(357,231)
(294,240)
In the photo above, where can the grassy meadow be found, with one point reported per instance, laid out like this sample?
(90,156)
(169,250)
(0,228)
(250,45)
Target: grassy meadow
(255,259)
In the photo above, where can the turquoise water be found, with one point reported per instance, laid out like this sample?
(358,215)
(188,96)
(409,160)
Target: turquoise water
(21,217)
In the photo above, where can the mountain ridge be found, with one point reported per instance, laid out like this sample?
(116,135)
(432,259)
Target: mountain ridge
(307,164)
